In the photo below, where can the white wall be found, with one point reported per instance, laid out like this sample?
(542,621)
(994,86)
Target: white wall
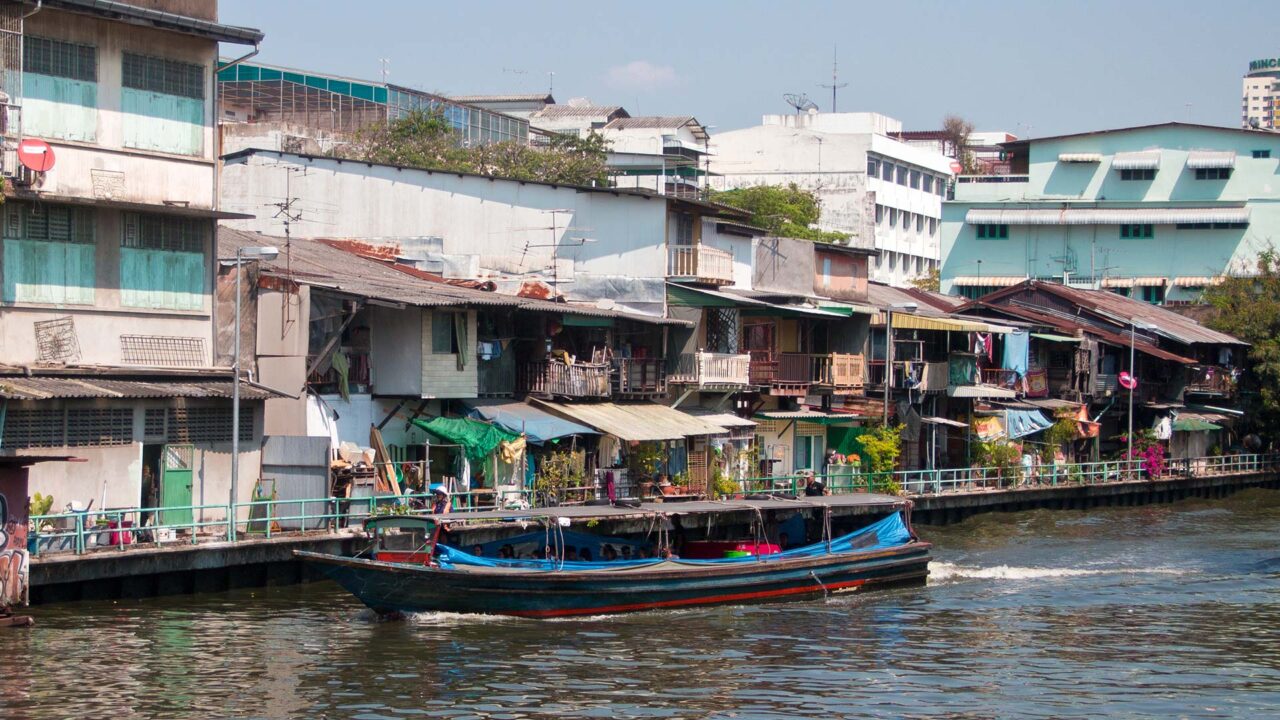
(474,215)
(833,164)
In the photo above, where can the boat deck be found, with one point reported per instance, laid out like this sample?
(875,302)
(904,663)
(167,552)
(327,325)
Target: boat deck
(694,507)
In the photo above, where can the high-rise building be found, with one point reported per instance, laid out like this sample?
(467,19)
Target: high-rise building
(1259,106)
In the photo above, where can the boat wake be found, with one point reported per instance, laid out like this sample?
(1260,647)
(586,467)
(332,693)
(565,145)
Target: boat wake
(450,619)
(944,571)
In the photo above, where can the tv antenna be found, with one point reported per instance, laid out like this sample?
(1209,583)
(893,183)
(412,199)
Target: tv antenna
(800,102)
(835,78)
(386,69)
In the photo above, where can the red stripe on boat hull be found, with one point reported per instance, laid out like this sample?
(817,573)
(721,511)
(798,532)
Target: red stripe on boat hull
(709,600)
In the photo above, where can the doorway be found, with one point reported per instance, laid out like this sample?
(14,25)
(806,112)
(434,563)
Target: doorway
(175,484)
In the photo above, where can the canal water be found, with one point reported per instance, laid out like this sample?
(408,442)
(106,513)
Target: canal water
(1160,611)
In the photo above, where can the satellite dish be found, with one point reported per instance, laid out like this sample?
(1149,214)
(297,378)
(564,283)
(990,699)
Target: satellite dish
(800,102)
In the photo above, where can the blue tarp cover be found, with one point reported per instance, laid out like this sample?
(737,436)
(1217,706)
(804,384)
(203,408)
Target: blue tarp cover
(1017,348)
(1022,423)
(538,425)
(889,532)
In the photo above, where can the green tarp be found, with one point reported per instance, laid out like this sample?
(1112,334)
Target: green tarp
(1194,425)
(478,439)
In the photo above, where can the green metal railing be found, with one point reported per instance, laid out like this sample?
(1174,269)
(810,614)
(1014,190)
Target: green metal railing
(120,529)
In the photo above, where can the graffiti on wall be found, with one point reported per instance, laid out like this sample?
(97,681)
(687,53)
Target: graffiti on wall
(14,563)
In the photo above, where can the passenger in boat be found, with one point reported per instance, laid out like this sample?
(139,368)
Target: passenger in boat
(646,553)
(571,554)
(609,554)
(626,552)
(585,555)
(506,552)
(477,551)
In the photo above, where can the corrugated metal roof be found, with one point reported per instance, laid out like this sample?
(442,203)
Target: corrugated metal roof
(1080,157)
(513,97)
(557,112)
(319,263)
(651,121)
(723,419)
(1199,159)
(638,422)
(979,391)
(1141,160)
(1107,216)
(1123,310)
(57,388)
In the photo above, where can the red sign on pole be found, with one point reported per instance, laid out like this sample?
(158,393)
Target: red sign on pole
(35,155)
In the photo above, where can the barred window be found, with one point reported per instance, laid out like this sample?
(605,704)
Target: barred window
(207,425)
(153,425)
(45,56)
(160,232)
(50,223)
(171,77)
(61,427)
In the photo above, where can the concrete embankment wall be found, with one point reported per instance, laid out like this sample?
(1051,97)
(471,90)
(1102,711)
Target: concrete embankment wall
(214,567)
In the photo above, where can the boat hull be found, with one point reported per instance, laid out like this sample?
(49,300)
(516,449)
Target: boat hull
(394,588)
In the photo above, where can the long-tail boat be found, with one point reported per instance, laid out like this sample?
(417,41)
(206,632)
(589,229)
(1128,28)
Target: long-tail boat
(410,569)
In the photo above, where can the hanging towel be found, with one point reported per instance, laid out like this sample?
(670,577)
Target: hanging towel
(1017,346)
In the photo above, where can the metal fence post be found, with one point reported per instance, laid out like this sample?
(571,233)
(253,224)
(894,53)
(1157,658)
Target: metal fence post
(231,522)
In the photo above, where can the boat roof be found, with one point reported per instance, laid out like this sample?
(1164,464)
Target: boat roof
(693,507)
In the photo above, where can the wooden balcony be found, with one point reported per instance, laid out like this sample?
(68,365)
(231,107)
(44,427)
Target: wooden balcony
(699,263)
(551,378)
(713,370)
(639,378)
(1210,380)
(792,374)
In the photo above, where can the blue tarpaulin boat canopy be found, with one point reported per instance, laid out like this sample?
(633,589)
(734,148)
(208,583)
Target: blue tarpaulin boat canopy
(539,425)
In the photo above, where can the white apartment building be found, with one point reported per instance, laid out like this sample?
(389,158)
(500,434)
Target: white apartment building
(1258,106)
(883,192)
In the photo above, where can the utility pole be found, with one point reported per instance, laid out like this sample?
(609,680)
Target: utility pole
(835,77)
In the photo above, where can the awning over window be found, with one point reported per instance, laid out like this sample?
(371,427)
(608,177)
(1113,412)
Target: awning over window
(1080,157)
(987,280)
(1201,159)
(931,420)
(1021,423)
(1198,280)
(521,418)
(908,321)
(1107,216)
(1129,282)
(1145,160)
(726,420)
(816,417)
(638,421)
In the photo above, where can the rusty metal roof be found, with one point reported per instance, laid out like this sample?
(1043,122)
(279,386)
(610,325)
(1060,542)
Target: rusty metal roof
(43,387)
(1122,311)
(348,269)
(553,112)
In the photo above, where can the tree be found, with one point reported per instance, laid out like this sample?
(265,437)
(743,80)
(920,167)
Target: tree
(958,131)
(1248,307)
(786,211)
(931,282)
(426,140)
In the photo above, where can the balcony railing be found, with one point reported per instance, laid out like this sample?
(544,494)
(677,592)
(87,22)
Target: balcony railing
(700,263)
(639,377)
(707,369)
(797,371)
(556,379)
(839,371)
(1210,380)
(1000,377)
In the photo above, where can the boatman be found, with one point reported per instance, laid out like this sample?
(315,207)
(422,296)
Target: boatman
(440,505)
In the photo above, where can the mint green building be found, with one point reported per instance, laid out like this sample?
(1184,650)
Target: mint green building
(1156,212)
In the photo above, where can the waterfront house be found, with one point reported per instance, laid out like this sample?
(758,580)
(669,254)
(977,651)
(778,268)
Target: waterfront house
(1155,212)
(112,343)
(1082,340)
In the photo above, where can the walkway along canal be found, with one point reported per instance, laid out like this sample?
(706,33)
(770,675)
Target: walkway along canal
(111,555)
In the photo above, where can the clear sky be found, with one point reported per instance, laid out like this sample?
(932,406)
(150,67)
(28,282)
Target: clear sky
(1031,68)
